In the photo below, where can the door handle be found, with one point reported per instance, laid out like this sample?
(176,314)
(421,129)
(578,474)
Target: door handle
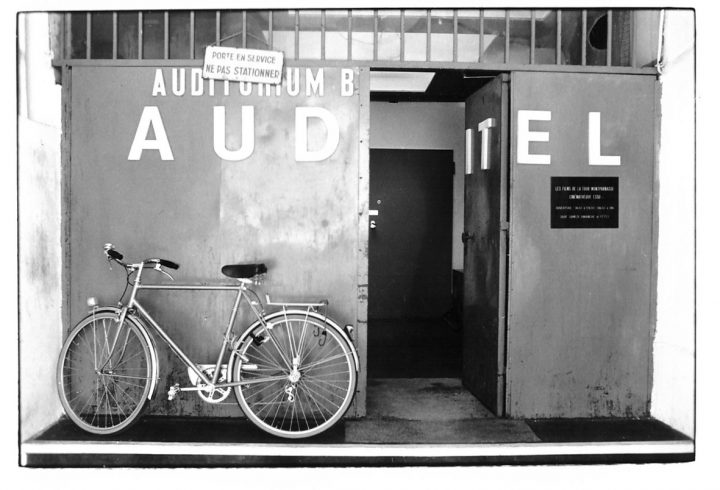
(467,236)
(372,224)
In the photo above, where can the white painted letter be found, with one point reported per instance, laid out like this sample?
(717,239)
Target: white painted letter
(468,151)
(525,136)
(314,85)
(150,117)
(246,88)
(484,128)
(293,81)
(196,82)
(347,88)
(302,114)
(178,81)
(594,156)
(247,146)
(158,84)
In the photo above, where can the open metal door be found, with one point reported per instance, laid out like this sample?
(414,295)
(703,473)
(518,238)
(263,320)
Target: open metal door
(485,243)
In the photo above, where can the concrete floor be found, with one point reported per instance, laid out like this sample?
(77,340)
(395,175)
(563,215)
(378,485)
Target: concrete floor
(410,421)
(430,411)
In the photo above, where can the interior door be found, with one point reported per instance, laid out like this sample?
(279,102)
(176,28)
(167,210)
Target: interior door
(410,263)
(485,243)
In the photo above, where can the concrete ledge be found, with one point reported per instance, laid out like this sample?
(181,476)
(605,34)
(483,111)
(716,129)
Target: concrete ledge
(144,454)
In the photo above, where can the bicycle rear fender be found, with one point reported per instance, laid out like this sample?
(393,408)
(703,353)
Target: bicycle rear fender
(272,316)
(140,324)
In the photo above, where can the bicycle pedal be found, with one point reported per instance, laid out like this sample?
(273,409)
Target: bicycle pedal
(173,391)
(249,367)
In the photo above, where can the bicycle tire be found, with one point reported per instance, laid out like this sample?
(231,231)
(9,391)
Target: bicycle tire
(301,402)
(104,395)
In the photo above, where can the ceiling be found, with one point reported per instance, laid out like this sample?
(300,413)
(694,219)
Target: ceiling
(446,86)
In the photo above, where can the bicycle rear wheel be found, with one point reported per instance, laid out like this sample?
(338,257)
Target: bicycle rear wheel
(103,390)
(300,376)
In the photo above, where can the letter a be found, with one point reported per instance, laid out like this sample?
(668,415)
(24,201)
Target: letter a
(150,117)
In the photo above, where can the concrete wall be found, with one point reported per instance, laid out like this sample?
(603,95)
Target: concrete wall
(39,226)
(435,125)
(673,388)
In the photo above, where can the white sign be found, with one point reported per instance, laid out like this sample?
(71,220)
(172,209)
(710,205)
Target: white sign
(243,65)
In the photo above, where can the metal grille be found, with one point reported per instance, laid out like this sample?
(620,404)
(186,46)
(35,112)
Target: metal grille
(516,37)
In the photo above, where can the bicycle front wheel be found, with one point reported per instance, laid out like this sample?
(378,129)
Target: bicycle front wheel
(300,376)
(104,373)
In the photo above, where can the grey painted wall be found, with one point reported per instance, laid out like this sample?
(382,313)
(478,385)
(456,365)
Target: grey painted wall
(300,218)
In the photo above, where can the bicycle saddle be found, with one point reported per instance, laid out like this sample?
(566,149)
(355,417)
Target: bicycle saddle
(243,271)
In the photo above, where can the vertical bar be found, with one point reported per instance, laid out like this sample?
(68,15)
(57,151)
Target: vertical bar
(65,179)
(609,37)
(322,34)
(270,29)
(363,235)
(166,37)
(558,40)
(350,43)
(583,38)
(217,28)
(482,36)
(375,35)
(67,44)
(244,28)
(633,59)
(532,37)
(507,36)
(297,34)
(402,35)
(455,35)
(428,33)
(88,34)
(192,34)
(115,35)
(140,35)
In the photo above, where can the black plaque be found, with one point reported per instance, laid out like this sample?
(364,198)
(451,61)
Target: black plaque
(583,202)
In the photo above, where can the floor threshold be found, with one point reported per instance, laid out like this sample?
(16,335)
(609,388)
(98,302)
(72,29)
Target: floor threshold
(140,453)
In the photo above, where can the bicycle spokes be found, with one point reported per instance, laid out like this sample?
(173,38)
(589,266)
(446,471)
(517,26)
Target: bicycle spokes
(315,386)
(103,388)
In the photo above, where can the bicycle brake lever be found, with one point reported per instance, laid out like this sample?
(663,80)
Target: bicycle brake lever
(159,269)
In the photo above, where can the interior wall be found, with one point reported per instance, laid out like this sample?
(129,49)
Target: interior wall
(39,226)
(673,388)
(426,125)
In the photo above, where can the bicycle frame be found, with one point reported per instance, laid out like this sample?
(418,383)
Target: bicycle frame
(240,288)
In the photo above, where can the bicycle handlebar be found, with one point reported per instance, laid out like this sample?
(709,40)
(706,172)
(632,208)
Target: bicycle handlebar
(117,257)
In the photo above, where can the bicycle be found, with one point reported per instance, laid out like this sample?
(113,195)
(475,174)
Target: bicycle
(293,372)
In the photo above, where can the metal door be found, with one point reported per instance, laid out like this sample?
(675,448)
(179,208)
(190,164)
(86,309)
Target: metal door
(485,239)
(411,233)
(580,320)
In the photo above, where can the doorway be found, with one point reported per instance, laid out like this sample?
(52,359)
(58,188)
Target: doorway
(434,323)
(410,265)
